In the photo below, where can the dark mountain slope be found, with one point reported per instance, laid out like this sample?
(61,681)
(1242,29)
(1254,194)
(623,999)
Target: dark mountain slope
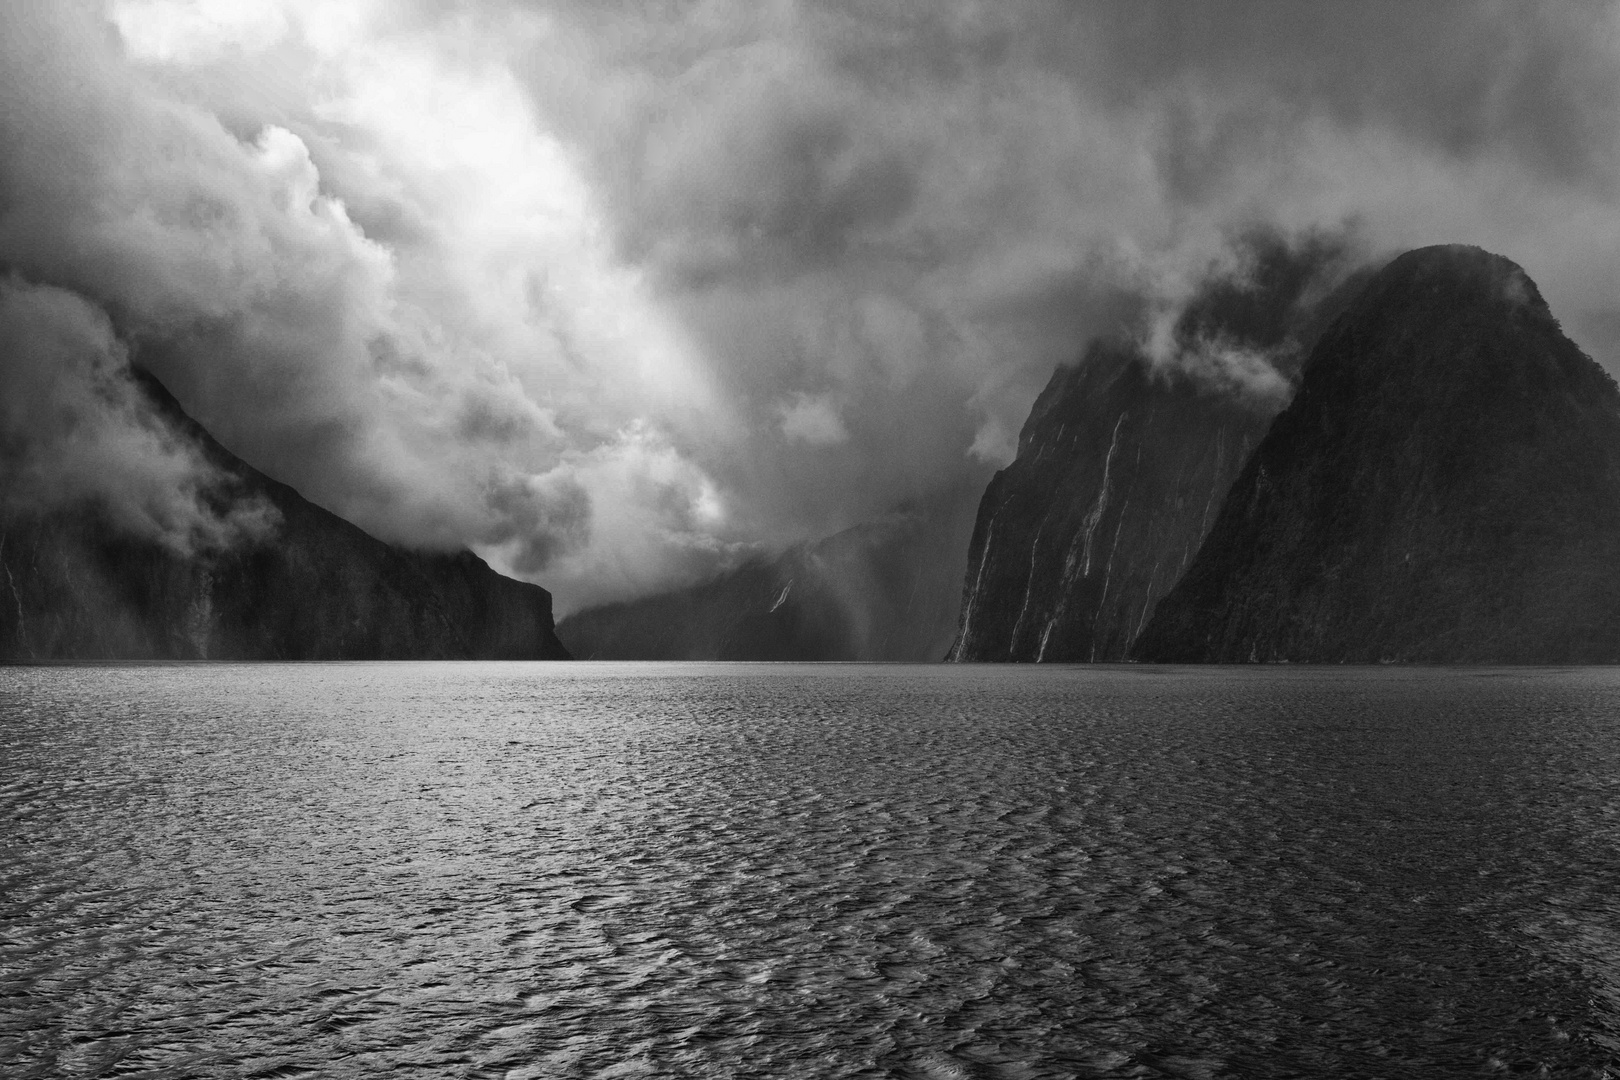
(318,589)
(1444,487)
(1122,464)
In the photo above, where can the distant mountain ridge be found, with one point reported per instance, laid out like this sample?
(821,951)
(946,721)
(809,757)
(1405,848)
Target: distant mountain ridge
(883,590)
(319,589)
(1445,487)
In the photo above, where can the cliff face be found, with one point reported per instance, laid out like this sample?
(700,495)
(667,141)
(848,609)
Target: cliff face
(881,591)
(1444,487)
(1123,464)
(1119,474)
(72,588)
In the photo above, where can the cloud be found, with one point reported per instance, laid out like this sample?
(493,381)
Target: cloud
(188,31)
(612,290)
(438,383)
(75,430)
(812,420)
(1241,324)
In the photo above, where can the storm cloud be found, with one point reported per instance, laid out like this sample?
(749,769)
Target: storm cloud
(75,429)
(614,292)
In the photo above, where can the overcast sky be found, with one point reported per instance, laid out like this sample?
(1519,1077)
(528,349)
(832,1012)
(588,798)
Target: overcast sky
(610,291)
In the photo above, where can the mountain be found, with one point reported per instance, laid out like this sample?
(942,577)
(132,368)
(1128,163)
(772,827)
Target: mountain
(884,590)
(1444,487)
(1124,461)
(1120,471)
(319,588)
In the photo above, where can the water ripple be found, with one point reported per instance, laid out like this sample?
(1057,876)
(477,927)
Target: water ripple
(600,870)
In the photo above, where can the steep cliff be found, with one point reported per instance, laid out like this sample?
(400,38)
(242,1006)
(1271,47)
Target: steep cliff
(1119,473)
(1445,486)
(318,588)
(885,590)
(1124,462)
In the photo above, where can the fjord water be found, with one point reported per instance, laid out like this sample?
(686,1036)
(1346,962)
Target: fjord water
(773,870)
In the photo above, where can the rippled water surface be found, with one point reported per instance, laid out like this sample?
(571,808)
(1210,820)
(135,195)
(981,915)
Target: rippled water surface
(576,870)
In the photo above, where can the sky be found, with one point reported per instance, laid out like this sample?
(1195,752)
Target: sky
(615,293)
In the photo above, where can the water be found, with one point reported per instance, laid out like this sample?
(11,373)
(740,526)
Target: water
(819,871)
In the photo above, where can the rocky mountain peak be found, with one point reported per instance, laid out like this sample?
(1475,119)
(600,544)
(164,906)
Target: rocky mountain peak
(1445,486)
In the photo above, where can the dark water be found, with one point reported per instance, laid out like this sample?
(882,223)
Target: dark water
(712,871)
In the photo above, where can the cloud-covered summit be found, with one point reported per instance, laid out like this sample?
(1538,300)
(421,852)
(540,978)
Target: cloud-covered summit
(612,291)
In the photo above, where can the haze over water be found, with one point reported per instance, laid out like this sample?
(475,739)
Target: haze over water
(770,870)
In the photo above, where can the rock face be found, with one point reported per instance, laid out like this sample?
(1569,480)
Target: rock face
(1444,487)
(72,588)
(880,591)
(1123,464)
(1120,471)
